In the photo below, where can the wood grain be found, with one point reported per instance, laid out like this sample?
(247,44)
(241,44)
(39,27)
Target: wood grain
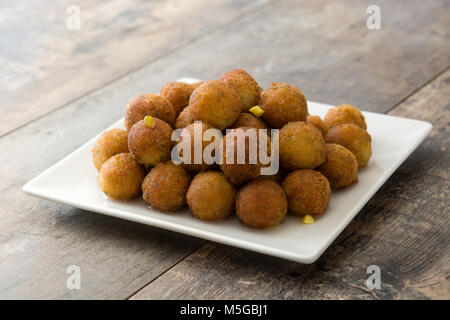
(403,229)
(322,47)
(44,65)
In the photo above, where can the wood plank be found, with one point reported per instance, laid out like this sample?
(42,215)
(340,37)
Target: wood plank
(44,65)
(403,229)
(42,238)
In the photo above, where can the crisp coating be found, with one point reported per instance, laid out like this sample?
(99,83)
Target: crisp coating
(150,146)
(318,123)
(247,88)
(184,119)
(301,146)
(216,103)
(197,167)
(178,93)
(165,187)
(345,113)
(211,196)
(248,120)
(239,173)
(307,191)
(283,103)
(354,138)
(121,177)
(111,142)
(149,105)
(340,168)
(261,204)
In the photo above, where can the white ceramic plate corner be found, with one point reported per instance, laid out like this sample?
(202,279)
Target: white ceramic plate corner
(73,181)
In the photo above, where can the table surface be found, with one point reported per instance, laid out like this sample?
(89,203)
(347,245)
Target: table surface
(60,87)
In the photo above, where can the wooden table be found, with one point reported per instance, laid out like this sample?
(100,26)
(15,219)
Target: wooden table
(60,87)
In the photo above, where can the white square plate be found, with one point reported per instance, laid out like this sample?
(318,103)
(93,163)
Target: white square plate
(73,181)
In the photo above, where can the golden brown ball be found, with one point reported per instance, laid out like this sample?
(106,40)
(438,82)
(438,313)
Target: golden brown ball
(307,191)
(301,146)
(195,85)
(211,196)
(111,142)
(354,138)
(317,122)
(184,119)
(283,103)
(248,120)
(149,105)
(165,187)
(238,171)
(340,168)
(150,146)
(121,177)
(216,103)
(178,93)
(247,88)
(201,127)
(261,204)
(345,113)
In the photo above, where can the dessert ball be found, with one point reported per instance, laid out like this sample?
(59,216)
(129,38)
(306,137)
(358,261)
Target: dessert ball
(308,192)
(261,204)
(150,145)
(111,142)
(283,103)
(121,177)
(247,88)
(165,187)
(211,196)
(202,144)
(301,146)
(184,119)
(248,120)
(195,85)
(354,138)
(318,123)
(341,166)
(345,113)
(216,103)
(178,93)
(149,105)
(245,141)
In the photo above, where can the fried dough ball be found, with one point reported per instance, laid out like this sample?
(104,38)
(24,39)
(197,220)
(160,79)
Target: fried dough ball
(239,173)
(150,146)
(211,196)
(341,166)
(121,177)
(216,103)
(283,103)
(354,138)
(185,118)
(149,105)
(318,123)
(345,113)
(165,187)
(301,146)
(261,204)
(195,85)
(178,94)
(307,191)
(111,142)
(277,177)
(248,120)
(197,167)
(247,88)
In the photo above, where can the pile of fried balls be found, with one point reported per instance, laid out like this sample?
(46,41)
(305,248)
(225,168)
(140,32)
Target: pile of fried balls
(315,155)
